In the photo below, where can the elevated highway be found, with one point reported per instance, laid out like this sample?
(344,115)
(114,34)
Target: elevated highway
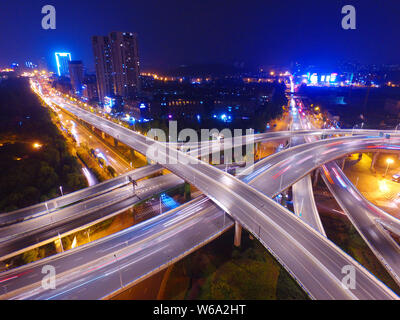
(313,261)
(259,214)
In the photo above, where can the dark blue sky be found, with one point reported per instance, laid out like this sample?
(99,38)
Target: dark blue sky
(175,32)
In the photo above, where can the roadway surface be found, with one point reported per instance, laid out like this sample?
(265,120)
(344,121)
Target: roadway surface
(21,237)
(303,196)
(363,215)
(97,269)
(83,135)
(64,201)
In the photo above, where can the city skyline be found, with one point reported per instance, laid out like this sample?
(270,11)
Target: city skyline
(256,34)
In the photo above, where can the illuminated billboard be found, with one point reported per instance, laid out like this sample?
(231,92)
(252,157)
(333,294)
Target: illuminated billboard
(109,104)
(314,78)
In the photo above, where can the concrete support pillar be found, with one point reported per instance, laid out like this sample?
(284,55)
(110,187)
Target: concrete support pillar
(93,128)
(316,176)
(59,246)
(115,142)
(374,158)
(284,198)
(103,135)
(133,155)
(238,234)
(343,163)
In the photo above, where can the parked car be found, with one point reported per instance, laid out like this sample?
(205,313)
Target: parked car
(396,178)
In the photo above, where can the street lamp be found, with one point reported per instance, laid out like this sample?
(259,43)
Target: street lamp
(37,146)
(389,161)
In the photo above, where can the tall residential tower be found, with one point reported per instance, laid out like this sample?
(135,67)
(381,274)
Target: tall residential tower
(76,74)
(102,61)
(117,64)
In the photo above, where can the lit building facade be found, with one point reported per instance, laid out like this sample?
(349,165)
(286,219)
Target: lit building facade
(102,60)
(125,63)
(117,65)
(62,62)
(76,75)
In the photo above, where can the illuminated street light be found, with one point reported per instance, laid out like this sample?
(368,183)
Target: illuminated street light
(389,161)
(37,146)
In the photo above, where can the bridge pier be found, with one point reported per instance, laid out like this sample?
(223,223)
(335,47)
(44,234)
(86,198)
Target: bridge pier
(133,155)
(374,158)
(59,246)
(343,163)
(284,198)
(316,176)
(115,142)
(103,135)
(238,234)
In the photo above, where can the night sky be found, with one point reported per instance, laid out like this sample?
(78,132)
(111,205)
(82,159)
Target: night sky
(177,32)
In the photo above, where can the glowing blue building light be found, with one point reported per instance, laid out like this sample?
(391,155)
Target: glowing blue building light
(62,59)
(168,201)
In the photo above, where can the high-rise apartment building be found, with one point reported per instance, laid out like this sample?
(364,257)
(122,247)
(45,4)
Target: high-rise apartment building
(117,64)
(76,75)
(89,92)
(102,61)
(125,63)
